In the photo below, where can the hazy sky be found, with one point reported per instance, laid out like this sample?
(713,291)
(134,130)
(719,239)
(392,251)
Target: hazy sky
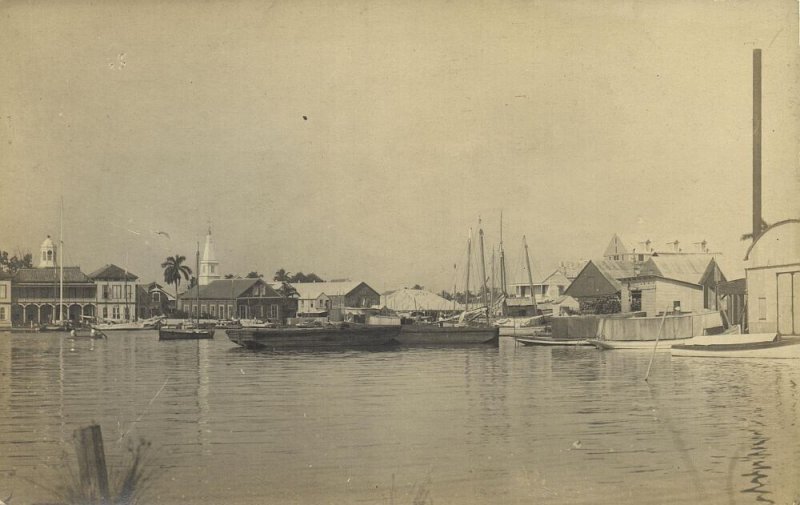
(578,119)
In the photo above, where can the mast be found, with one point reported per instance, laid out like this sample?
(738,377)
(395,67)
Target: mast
(483,267)
(455,276)
(503,288)
(59,255)
(530,277)
(197,283)
(469,260)
(491,291)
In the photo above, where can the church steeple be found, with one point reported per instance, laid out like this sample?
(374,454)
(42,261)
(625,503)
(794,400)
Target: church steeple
(209,266)
(47,256)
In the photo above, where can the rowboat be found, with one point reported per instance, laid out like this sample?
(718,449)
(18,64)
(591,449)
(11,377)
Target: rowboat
(769,347)
(167,333)
(550,341)
(700,340)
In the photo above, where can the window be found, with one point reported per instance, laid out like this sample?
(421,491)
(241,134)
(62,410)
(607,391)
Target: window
(115,312)
(155,296)
(2,313)
(213,310)
(641,257)
(762,309)
(273,311)
(117,291)
(3,291)
(127,312)
(221,311)
(105,312)
(128,292)
(106,294)
(203,309)
(212,268)
(676,306)
(230,311)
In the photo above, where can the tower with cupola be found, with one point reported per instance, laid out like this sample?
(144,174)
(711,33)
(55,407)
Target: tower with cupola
(209,266)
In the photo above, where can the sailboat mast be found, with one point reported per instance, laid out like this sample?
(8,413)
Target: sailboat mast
(503,289)
(197,283)
(483,267)
(530,277)
(491,291)
(455,276)
(469,261)
(59,257)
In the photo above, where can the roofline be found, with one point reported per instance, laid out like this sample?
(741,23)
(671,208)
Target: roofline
(774,225)
(651,276)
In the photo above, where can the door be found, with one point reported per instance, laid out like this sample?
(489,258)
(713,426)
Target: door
(788,303)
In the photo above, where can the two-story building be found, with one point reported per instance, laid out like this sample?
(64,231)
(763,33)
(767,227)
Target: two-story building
(5,300)
(233,298)
(116,293)
(153,300)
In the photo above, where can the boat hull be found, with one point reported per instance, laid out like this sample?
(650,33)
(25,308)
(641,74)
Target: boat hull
(700,340)
(447,335)
(314,338)
(549,341)
(185,334)
(784,348)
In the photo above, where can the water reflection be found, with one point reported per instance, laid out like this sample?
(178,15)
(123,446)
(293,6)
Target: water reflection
(471,425)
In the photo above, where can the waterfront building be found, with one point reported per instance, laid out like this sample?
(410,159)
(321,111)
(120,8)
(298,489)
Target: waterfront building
(673,283)
(5,300)
(600,281)
(639,251)
(344,296)
(550,288)
(234,298)
(773,280)
(311,299)
(417,300)
(116,298)
(153,300)
(209,266)
(35,295)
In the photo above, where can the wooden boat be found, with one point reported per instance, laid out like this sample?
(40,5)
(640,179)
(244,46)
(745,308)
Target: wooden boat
(344,336)
(700,340)
(768,346)
(429,334)
(175,333)
(550,341)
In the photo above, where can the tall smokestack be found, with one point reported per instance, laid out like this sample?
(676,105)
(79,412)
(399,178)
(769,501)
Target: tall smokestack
(756,144)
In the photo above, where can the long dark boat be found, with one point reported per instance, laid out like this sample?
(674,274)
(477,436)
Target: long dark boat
(166,333)
(428,334)
(332,336)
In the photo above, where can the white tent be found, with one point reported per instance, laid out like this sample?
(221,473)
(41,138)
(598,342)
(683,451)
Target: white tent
(410,300)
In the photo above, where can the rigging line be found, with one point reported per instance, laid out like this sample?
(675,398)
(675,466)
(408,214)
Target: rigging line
(139,418)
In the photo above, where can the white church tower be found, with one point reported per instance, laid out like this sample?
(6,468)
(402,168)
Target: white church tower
(47,258)
(209,266)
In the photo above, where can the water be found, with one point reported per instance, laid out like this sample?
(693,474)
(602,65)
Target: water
(446,426)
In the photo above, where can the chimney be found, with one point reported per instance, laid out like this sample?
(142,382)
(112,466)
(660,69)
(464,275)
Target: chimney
(756,144)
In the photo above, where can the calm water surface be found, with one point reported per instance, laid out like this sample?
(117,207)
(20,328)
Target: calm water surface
(500,425)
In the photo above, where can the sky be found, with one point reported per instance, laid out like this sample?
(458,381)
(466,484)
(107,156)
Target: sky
(363,140)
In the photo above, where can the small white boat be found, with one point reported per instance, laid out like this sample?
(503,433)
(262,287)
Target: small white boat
(700,340)
(768,346)
(145,324)
(550,341)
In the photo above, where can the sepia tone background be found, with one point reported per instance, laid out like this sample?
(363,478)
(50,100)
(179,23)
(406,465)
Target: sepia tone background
(363,139)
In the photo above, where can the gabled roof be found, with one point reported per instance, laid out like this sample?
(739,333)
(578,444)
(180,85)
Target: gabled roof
(50,275)
(112,272)
(312,290)
(227,289)
(556,278)
(614,270)
(686,268)
(405,300)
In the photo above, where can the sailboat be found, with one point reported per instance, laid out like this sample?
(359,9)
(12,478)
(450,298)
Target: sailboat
(188,331)
(468,329)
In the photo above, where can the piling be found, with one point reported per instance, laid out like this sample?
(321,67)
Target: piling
(92,470)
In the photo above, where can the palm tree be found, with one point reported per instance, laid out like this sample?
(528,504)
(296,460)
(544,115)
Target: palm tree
(282,275)
(173,270)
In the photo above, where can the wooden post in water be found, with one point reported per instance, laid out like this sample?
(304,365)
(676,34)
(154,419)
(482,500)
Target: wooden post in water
(660,327)
(92,464)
